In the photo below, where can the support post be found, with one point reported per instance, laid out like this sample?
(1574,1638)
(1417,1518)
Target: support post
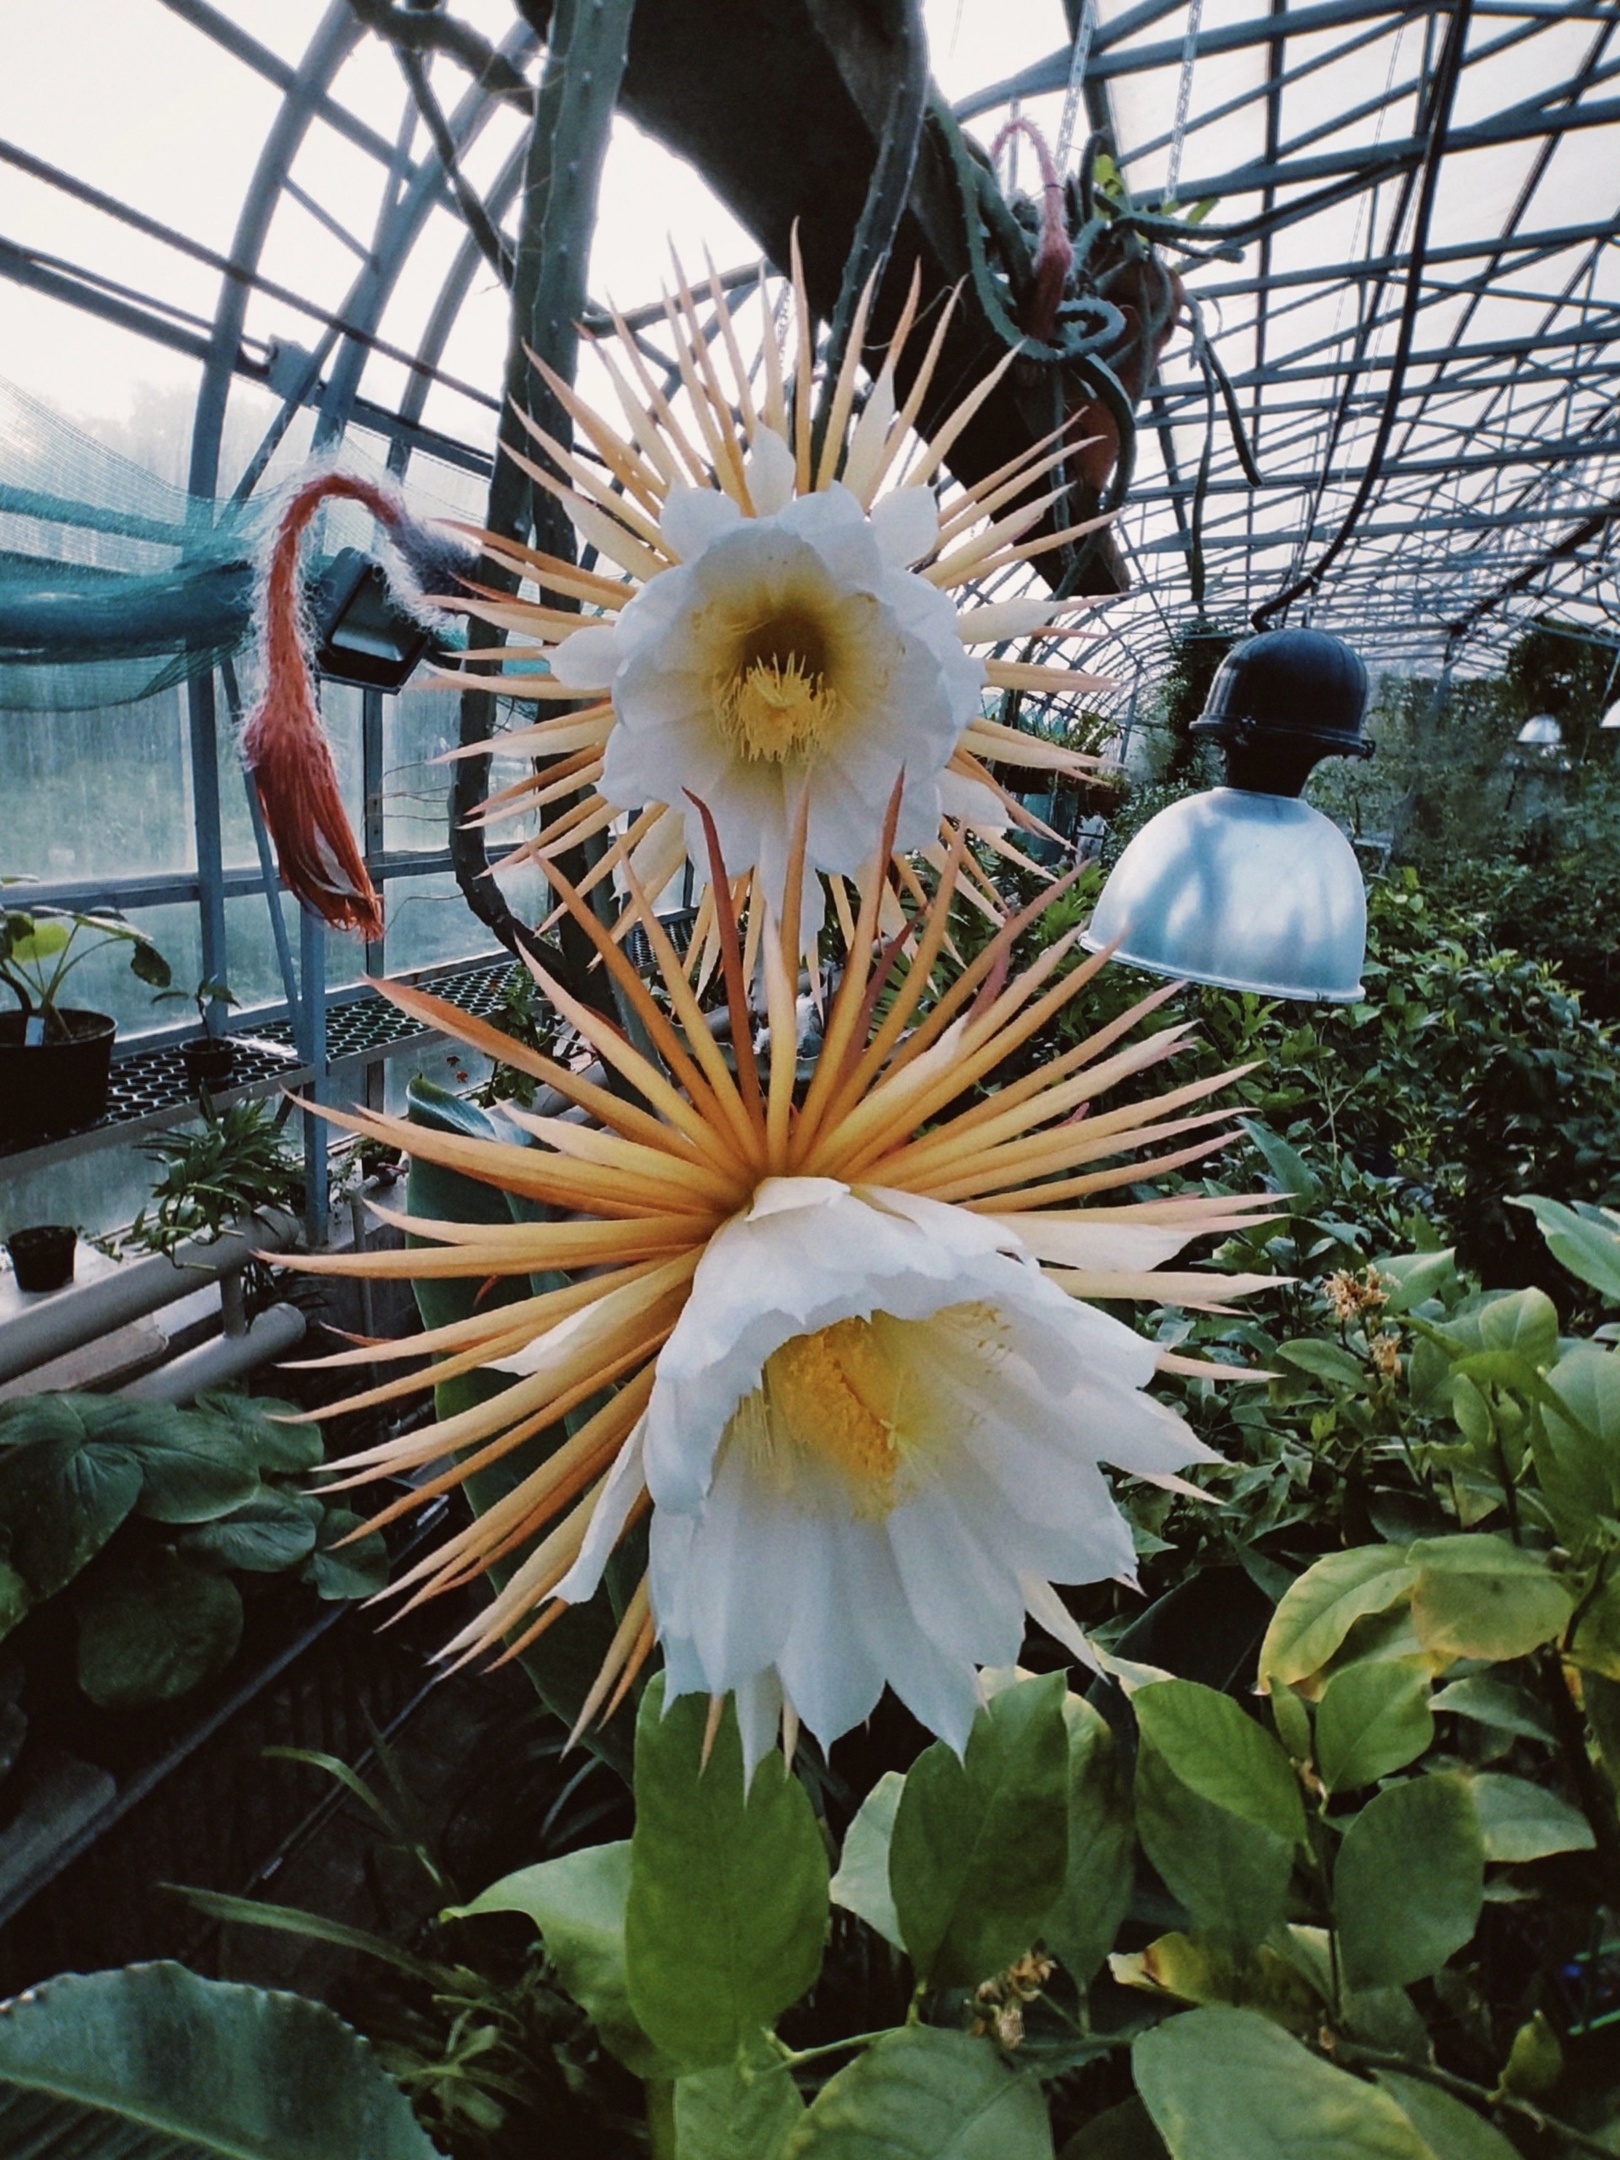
(312,1049)
(203,714)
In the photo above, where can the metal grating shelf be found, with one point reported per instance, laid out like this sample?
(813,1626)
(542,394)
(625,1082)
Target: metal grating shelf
(149,1085)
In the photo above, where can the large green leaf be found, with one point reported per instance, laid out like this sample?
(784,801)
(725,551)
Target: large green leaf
(1324,1361)
(1101,1869)
(269,1532)
(1408,1883)
(727,1911)
(1218,1808)
(739,2111)
(1318,1611)
(62,1495)
(1453,2132)
(152,2063)
(194,1468)
(980,1844)
(1373,1718)
(1586,1242)
(1520,1820)
(861,1885)
(1229,2085)
(578,1904)
(154,1630)
(922,2094)
(1125,2132)
(340,1569)
(1482,1597)
(1577,1444)
(263,1424)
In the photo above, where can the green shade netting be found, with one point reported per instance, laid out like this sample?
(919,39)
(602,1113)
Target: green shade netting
(113,584)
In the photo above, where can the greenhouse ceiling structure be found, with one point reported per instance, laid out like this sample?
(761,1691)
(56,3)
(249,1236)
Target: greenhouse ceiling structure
(1403,261)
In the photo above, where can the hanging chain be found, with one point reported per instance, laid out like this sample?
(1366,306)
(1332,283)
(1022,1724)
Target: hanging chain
(1189,53)
(1085,29)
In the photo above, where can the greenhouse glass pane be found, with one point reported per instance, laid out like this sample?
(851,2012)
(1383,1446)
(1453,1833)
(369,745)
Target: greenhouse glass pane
(97,794)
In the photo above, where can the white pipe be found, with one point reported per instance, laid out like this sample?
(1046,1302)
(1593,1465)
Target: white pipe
(226,1357)
(84,1311)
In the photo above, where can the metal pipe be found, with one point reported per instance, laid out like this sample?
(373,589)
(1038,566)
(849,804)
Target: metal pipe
(227,1357)
(79,1315)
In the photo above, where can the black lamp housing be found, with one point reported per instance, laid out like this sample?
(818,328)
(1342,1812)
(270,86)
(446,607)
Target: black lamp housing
(363,635)
(1282,702)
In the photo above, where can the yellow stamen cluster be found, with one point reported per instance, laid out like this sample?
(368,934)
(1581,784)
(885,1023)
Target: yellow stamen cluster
(777,709)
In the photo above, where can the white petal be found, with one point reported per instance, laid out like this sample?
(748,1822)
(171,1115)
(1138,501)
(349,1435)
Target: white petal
(832,1670)
(624,1487)
(907,525)
(781,1195)
(728,1586)
(587,660)
(964,1601)
(693,517)
(1048,1610)
(759,1719)
(769,470)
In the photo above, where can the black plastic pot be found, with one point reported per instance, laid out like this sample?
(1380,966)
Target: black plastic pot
(208,1062)
(43,1256)
(53,1087)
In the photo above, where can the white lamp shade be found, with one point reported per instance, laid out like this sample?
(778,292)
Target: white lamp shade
(1542,732)
(1612,717)
(1241,890)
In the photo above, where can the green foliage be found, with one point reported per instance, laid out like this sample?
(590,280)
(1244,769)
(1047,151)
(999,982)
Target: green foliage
(147,1513)
(1217,1807)
(1398,1922)
(727,1908)
(1222,2084)
(236,1168)
(40,948)
(980,1844)
(211,991)
(920,2094)
(154,2061)
(1081,1925)
(861,1884)
(742,2111)
(578,1904)
(1195,655)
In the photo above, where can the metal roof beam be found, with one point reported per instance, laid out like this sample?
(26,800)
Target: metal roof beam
(1381,161)
(274,69)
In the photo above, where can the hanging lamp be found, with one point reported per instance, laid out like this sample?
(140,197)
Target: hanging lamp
(1245,886)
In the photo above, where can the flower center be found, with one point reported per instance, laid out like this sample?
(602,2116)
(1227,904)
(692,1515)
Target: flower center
(774,699)
(836,1394)
(860,1398)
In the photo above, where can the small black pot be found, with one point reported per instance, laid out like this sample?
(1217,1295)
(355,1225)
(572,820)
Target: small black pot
(43,1256)
(208,1061)
(54,1087)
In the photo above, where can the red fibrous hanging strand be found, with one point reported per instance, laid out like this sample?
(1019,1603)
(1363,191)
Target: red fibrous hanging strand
(1055,254)
(284,743)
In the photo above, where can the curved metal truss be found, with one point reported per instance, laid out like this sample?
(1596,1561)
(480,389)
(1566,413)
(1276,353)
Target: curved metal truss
(1310,130)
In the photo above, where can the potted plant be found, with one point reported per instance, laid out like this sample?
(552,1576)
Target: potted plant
(42,1255)
(55,1059)
(207,1059)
